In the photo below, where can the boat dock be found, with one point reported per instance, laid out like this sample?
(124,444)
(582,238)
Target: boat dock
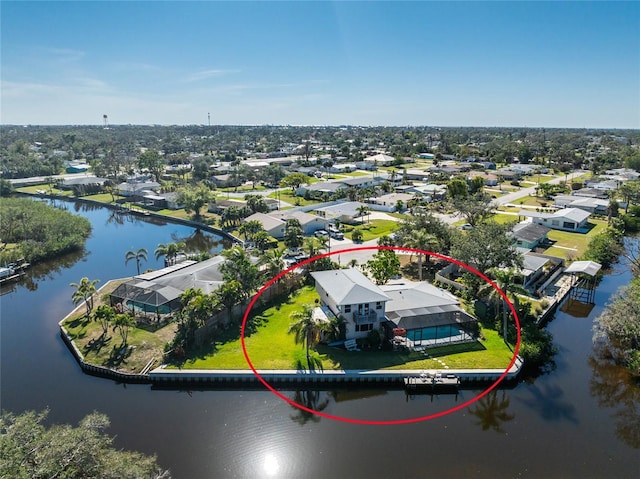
(432,383)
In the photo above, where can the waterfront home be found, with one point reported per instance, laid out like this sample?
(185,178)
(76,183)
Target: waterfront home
(137,189)
(427,315)
(157,293)
(568,219)
(350,294)
(539,269)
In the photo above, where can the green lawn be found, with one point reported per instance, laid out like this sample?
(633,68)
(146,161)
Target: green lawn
(292,198)
(576,241)
(375,229)
(271,347)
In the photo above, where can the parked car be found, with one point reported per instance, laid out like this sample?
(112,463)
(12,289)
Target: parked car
(321,234)
(335,233)
(466,227)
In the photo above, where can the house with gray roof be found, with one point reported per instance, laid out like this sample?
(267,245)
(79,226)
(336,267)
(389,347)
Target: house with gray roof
(592,205)
(350,294)
(157,293)
(309,223)
(346,211)
(567,219)
(271,224)
(529,235)
(427,315)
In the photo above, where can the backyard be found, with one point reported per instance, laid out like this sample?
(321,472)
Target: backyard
(271,347)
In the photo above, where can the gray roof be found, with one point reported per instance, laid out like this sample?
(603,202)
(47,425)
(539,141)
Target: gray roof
(204,275)
(324,186)
(83,180)
(529,231)
(348,208)
(574,214)
(355,181)
(268,222)
(532,263)
(302,217)
(349,286)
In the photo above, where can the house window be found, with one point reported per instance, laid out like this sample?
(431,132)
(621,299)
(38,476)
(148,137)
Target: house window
(379,305)
(568,224)
(347,308)
(555,223)
(364,327)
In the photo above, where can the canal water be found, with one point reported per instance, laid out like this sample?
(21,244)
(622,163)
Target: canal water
(581,420)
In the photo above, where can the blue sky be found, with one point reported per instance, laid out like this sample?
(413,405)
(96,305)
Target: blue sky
(553,64)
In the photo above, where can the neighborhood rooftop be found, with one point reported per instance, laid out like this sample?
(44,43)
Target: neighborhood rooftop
(349,284)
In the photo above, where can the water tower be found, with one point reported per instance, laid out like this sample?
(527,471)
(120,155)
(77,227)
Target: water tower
(105,118)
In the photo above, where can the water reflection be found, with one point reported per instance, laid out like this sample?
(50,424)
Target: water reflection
(615,387)
(548,401)
(48,269)
(491,411)
(311,399)
(199,241)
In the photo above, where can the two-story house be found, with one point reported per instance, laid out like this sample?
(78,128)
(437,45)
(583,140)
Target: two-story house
(350,294)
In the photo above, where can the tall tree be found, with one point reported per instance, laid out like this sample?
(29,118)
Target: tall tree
(152,161)
(239,267)
(138,256)
(31,450)
(85,291)
(475,209)
(305,328)
(194,200)
(104,314)
(293,234)
(423,241)
(383,266)
(170,251)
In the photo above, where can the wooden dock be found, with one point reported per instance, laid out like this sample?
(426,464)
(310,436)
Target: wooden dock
(432,383)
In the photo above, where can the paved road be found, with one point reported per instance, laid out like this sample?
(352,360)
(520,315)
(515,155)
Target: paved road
(511,197)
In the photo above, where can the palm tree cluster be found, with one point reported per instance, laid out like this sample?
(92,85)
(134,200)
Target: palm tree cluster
(85,291)
(170,251)
(138,256)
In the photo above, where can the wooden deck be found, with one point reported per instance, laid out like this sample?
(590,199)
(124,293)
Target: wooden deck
(432,383)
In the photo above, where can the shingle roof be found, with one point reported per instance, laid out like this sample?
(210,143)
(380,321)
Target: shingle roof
(268,222)
(349,286)
(529,231)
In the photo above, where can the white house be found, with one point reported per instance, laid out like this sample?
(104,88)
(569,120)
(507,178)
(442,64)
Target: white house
(272,225)
(350,294)
(568,219)
(592,205)
(309,223)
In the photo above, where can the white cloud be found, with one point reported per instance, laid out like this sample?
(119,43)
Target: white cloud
(204,74)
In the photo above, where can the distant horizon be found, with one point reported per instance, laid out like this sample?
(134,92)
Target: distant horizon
(285,125)
(490,64)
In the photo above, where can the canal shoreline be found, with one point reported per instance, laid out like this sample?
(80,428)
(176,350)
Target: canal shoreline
(167,377)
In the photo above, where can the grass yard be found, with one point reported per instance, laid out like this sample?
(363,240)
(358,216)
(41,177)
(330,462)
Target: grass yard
(271,347)
(575,241)
(292,198)
(375,229)
(143,345)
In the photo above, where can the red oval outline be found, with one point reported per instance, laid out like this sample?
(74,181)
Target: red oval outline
(398,421)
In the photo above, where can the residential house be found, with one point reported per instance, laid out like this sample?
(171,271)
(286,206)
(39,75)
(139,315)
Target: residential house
(389,202)
(489,180)
(219,205)
(309,223)
(373,162)
(538,269)
(427,314)
(346,211)
(322,187)
(567,219)
(137,189)
(360,181)
(529,235)
(274,226)
(591,193)
(592,205)
(350,294)
(158,292)
(415,174)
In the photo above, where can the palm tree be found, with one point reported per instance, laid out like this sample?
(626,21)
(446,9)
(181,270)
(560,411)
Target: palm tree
(363,210)
(85,290)
(311,246)
(170,251)
(123,323)
(140,255)
(423,241)
(104,315)
(305,328)
(274,261)
(505,280)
